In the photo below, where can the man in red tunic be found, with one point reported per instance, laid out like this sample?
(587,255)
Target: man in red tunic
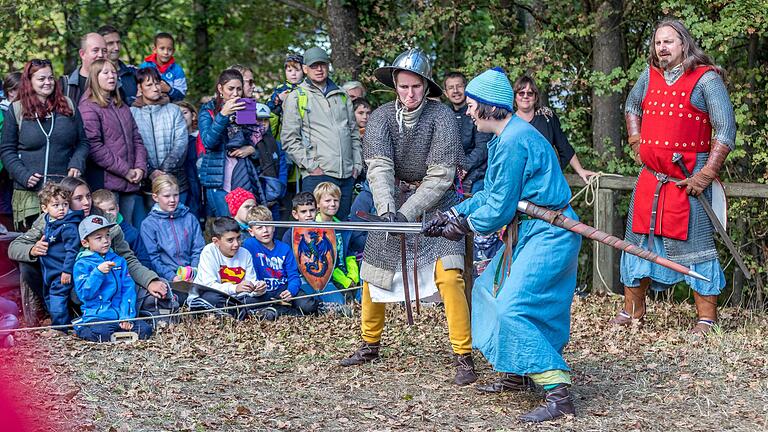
(678,105)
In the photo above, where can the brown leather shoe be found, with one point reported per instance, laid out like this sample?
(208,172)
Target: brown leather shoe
(507,383)
(706,310)
(366,353)
(557,403)
(634,307)
(465,370)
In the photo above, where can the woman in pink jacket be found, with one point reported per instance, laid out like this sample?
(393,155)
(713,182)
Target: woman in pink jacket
(117,158)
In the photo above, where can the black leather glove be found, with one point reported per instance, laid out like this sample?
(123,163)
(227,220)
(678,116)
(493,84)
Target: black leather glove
(394,217)
(434,227)
(456,228)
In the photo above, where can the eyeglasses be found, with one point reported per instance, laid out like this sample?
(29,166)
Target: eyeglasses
(40,62)
(529,93)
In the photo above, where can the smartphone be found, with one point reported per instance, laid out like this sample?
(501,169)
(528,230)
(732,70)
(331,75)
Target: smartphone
(247,115)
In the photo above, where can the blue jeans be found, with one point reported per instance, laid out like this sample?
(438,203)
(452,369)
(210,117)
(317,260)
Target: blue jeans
(103,332)
(132,207)
(216,205)
(310,182)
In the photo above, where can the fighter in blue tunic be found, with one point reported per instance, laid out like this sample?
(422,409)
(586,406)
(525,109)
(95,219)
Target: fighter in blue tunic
(521,304)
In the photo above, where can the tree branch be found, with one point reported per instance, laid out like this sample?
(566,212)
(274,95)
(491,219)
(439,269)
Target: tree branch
(302,7)
(544,20)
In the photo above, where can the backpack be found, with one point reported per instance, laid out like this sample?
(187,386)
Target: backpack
(17,110)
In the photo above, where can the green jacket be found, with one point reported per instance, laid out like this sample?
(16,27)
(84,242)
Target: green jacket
(20,247)
(324,133)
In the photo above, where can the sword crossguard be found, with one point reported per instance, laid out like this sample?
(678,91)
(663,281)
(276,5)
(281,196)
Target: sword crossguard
(676,157)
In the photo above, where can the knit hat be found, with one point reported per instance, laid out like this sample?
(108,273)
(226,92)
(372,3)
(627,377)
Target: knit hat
(295,58)
(493,88)
(236,198)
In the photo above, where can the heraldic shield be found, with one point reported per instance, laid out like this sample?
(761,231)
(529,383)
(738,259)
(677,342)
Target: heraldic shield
(315,252)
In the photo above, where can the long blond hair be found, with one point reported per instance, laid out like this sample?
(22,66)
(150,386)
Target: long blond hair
(93,85)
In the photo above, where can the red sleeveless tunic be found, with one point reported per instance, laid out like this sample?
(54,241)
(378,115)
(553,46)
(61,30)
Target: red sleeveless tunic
(671,124)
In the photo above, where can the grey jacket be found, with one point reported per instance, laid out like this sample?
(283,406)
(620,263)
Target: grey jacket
(327,136)
(21,246)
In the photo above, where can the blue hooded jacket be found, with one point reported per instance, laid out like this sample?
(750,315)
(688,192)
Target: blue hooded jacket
(63,245)
(172,239)
(277,266)
(105,296)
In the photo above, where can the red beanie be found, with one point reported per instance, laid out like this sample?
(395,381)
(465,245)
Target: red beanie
(236,198)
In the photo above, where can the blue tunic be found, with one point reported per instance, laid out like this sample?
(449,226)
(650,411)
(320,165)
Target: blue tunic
(523,328)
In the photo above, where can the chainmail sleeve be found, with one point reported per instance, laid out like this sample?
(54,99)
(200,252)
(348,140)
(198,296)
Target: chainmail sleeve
(637,94)
(717,103)
(378,152)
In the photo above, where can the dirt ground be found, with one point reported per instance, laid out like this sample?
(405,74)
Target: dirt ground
(216,375)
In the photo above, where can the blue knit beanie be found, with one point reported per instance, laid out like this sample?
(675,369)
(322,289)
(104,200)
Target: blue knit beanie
(493,88)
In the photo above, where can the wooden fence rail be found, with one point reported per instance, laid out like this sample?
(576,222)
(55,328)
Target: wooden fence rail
(605,265)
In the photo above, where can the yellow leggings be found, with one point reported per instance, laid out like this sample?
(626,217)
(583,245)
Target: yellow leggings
(451,287)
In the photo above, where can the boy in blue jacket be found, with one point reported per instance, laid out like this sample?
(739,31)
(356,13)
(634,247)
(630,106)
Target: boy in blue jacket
(105,203)
(275,264)
(63,244)
(174,81)
(104,286)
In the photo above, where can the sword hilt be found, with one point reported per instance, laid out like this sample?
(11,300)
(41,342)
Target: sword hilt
(678,159)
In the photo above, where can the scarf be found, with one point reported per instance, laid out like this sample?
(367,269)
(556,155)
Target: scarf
(152,58)
(408,118)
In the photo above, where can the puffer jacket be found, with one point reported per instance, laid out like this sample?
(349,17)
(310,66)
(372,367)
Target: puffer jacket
(108,296)
(327,136)
(164,134)
(116,145)
(172,239)
(213,134)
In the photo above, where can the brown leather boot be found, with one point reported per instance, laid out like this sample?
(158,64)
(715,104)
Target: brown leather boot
(557,403)
(366,353)
(706,309)
(465,370)
(634,306)
(507,383)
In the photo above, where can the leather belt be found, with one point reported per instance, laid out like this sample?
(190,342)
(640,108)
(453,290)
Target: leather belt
(661,179)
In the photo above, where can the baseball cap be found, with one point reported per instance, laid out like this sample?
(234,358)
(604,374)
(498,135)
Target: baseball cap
(316,55)
(262,111)
(91,224)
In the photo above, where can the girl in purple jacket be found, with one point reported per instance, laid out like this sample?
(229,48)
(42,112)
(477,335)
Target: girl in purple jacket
(171,233)
(117,157)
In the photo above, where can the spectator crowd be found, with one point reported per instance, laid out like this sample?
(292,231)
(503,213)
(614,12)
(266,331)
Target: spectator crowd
(116,180)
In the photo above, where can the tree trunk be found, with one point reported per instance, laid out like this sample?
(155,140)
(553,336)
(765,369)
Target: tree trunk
(200,83)
(607,54)
(71,38)
(344,31)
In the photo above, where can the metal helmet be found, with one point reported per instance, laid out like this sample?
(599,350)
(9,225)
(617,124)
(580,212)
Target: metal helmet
(415,61)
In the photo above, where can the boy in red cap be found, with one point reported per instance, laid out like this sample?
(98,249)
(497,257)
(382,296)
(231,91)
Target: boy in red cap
(240,202)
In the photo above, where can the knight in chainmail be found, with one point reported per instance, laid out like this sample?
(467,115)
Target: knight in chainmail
(412,148)
(678,105)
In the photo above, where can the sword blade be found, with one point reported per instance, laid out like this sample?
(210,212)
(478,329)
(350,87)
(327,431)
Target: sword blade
(391,227)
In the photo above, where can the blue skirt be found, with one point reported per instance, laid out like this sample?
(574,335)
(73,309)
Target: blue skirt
(523,328)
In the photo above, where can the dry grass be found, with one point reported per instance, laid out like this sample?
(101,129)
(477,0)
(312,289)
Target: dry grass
(209,374)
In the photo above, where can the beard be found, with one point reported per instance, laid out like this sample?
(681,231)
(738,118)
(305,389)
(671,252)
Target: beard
(663,63)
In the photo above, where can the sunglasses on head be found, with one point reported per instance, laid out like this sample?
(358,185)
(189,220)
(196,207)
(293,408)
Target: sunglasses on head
(40,62)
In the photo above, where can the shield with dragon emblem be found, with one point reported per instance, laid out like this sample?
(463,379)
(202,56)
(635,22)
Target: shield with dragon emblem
(315,252)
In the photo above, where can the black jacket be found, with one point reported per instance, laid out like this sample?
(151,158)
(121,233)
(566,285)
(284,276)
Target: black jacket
(475,146)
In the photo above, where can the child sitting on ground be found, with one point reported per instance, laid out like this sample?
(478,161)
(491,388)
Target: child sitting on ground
(106,202)
(228,270)
(347,271)
(171,233)
(276,265)
(174,81)
(63,245)
(240,202)
(103,285)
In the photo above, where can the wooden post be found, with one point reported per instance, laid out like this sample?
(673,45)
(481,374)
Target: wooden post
(469,268)
(606,258)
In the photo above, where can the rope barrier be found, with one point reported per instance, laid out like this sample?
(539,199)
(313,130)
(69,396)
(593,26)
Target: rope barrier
(591,198)
(177,314)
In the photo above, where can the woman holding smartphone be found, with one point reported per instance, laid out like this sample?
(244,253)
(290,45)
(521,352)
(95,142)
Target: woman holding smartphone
(223,140)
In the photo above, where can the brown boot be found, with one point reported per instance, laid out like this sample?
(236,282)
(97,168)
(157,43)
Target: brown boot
(465,370)
(366,353)
(706,309)
(557,403)
(507,383)
(634,306)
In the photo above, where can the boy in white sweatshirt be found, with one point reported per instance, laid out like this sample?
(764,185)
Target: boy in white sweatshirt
(229,271)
